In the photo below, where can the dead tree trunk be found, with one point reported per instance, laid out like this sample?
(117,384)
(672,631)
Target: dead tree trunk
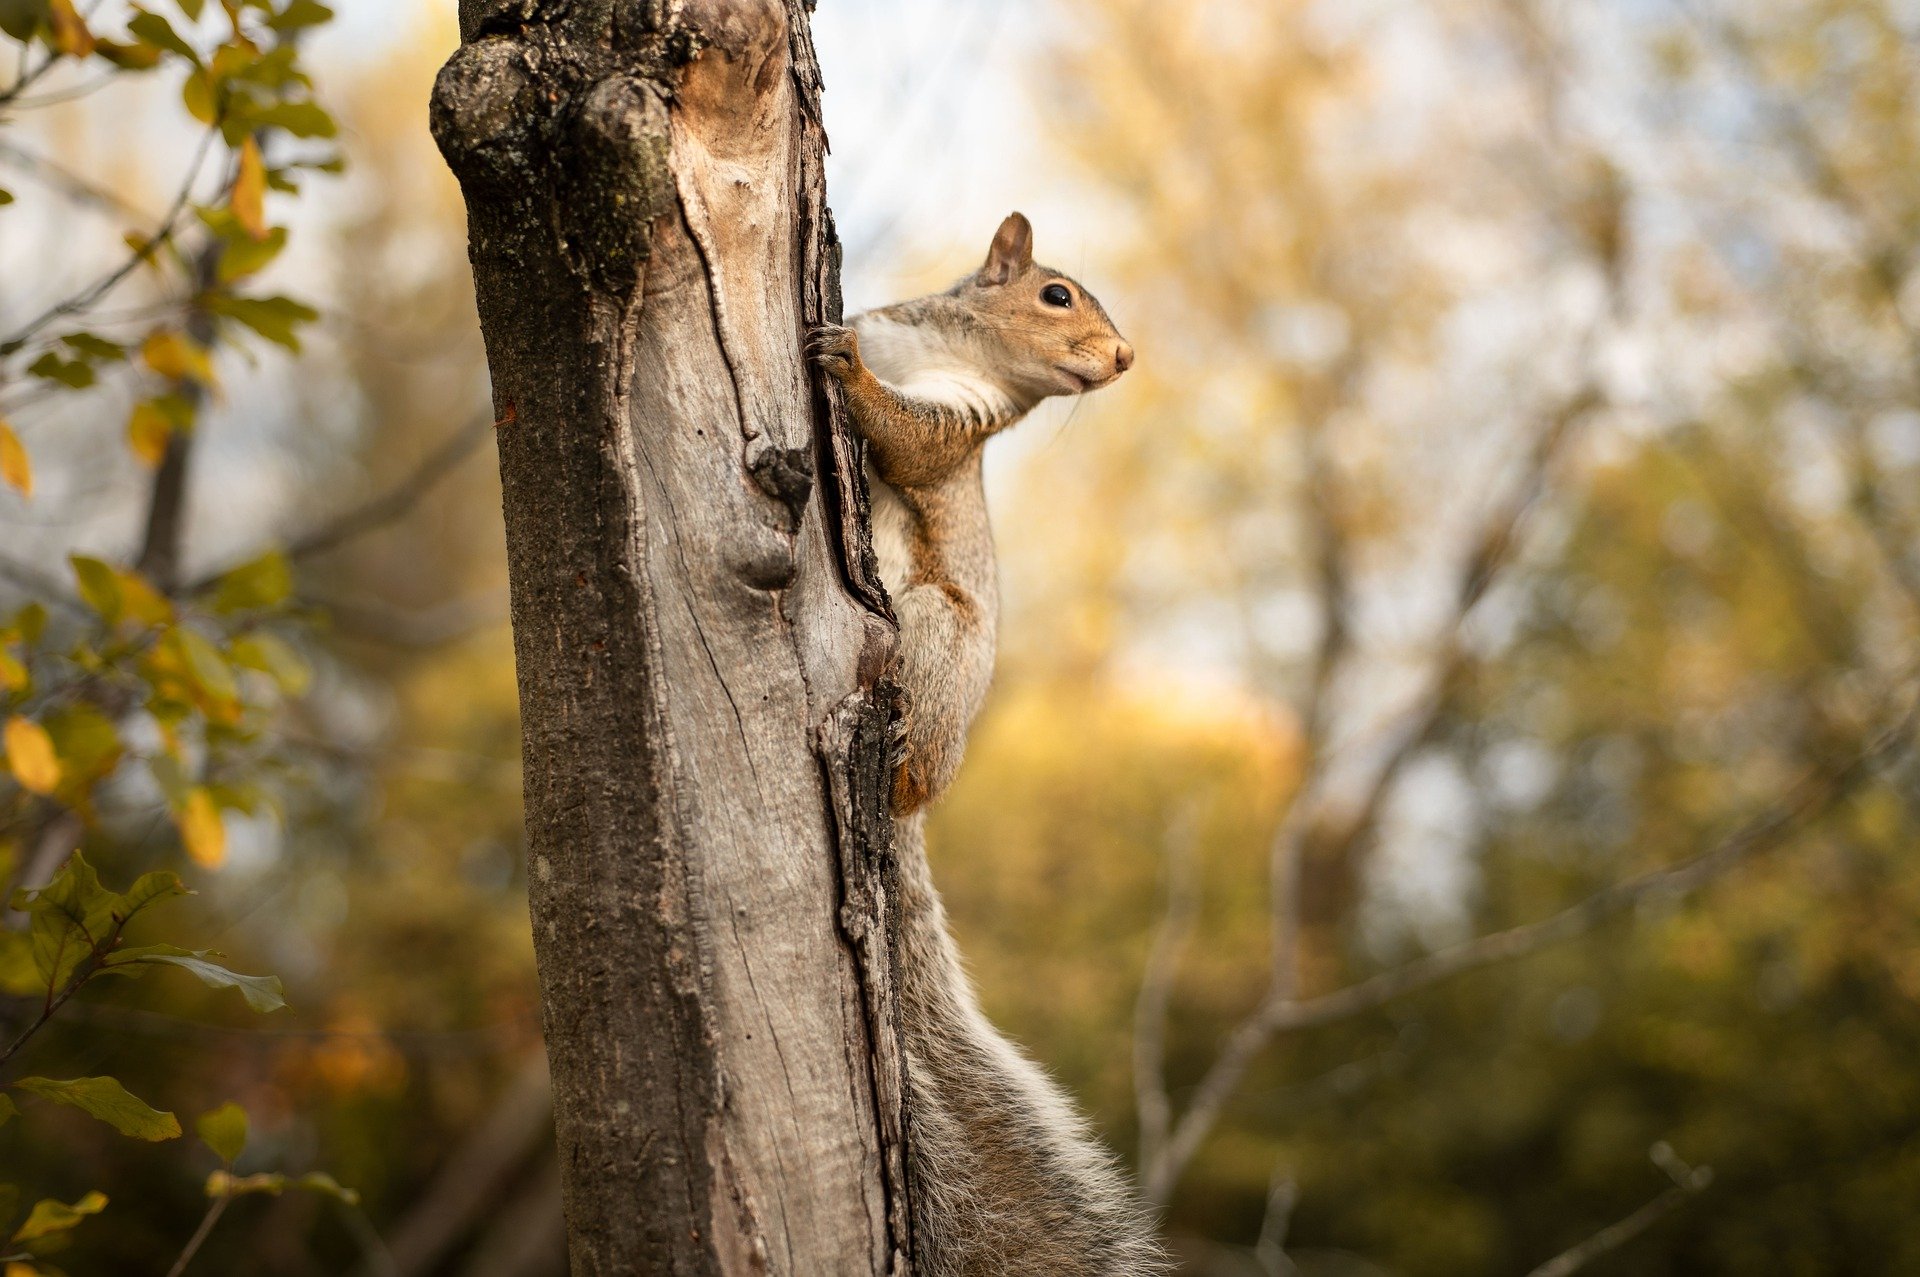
(698,631)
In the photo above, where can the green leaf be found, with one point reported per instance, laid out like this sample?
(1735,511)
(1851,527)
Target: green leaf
(19,975)
(74,914)
(300,13)
(204,664)
(75,374)
(262,583)
(274,318)
(224,1130)
(157,31)
(274,657)
(19,18)
(262,992)
(8,1109)
(6,197)
(224,1184)
(49,1216)
(198,96)
(99,586)
(301,119)
(246,256)
(106,1099)
(93,347)
(149,889)
(87,742)
(321,1182)
(70,916)
(191,8)
(30,622)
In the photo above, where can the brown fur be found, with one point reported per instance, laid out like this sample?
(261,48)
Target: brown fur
(1007,1178)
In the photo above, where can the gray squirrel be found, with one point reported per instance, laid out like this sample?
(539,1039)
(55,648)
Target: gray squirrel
(1007,1178)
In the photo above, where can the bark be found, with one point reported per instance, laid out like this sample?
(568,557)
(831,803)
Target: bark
(698,629)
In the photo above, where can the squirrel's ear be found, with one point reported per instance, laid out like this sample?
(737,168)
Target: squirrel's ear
(1012,250)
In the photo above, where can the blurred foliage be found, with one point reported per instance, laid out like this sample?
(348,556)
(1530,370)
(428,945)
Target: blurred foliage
(1369,253)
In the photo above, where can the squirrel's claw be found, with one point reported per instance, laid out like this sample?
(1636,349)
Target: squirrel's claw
(896,743)
(835,348)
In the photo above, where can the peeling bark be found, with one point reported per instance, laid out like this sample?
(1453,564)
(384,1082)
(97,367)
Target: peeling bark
(699,632)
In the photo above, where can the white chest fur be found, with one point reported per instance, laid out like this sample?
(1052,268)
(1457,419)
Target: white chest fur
(927,363)
(891,524)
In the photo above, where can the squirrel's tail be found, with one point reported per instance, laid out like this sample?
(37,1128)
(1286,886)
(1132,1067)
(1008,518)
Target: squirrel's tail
(1007,1177)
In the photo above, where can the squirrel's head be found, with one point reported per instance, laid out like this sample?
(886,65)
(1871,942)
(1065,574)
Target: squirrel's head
(1055,335)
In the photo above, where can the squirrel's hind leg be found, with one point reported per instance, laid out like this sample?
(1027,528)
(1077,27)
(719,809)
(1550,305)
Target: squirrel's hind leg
(944,665)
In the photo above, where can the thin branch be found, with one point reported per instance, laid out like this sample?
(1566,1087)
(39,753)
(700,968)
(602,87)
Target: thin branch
(200,1234)
(27,80)
(90,295)
(1492,549)
(1810,801)
(74,186)
(1271,1250)
(1688,1181)
(1154,1109)
(388,507)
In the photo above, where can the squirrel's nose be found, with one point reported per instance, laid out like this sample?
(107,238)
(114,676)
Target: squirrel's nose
(1122,358)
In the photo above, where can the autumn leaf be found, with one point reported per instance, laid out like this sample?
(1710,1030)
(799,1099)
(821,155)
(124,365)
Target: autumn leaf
(202,831)
(250,191)
(51,1216)
(15,469)
(30,756)
(177,357)
(147,433)
(70,34)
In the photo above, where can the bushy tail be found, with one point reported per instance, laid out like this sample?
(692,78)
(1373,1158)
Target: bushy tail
(1007,1177)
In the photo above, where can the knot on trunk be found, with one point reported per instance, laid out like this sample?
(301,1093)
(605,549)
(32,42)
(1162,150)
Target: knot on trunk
(484,114)
(616,181)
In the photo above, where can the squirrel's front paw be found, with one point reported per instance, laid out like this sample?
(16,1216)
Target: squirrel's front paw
(835,349)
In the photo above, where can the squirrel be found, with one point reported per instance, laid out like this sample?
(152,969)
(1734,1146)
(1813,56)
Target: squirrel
(1006,1176)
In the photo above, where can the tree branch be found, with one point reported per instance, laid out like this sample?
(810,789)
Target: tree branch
(384,509)
(1151,1104)
(92,294)
(1688,1181)
(1811,800)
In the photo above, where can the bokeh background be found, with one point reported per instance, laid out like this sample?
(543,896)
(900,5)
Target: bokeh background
(1516,494)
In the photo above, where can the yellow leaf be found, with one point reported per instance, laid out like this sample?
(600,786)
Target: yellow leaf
(15,469)
(249,197)
(201,830)
(177,357)
(147,433)
(70,34)
(30,756)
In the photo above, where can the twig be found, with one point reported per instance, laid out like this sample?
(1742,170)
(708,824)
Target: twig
(1271,1250)
(1816,796)
(385,508)
(142,255)
(200,1234)
(1154,1109)
(71,184)
(1688,1181)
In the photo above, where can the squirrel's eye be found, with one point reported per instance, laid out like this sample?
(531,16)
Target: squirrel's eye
(1056,295)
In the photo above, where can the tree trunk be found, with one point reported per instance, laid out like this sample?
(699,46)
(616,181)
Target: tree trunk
(698,628)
